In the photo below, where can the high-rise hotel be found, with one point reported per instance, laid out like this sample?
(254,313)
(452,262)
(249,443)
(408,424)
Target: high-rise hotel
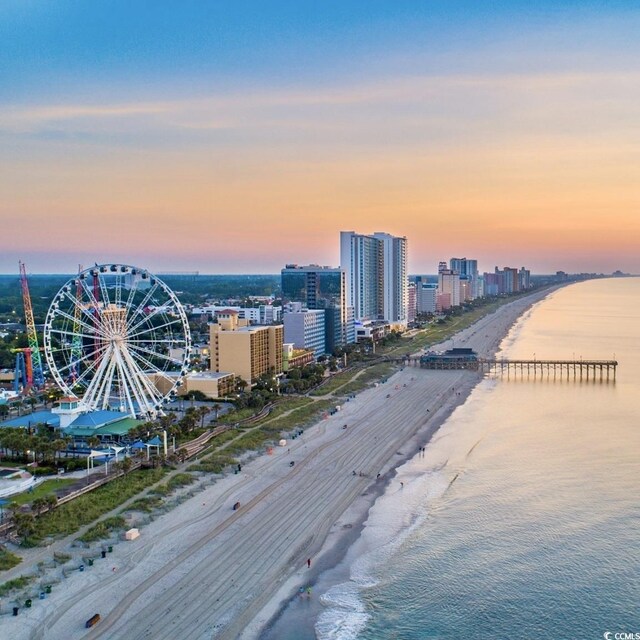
(324,288)
(376,276)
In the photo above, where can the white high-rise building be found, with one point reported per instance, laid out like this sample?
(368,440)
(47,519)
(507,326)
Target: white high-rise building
(395,300)
(376,275)
(361,259)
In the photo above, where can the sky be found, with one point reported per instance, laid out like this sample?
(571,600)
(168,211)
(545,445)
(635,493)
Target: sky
(237,137)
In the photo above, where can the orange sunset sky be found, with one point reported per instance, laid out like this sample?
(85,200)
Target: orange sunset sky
(238,139)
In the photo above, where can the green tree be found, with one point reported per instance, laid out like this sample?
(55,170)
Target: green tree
(25,524)
(38,506)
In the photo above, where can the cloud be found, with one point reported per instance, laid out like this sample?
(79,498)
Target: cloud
(296,108)
(487,159)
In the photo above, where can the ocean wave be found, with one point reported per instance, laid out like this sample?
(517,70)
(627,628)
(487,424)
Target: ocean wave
(345,615)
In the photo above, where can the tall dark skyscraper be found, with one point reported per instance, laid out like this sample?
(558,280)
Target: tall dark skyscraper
(321,288)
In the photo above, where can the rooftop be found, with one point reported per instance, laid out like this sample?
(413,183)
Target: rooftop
(119,428)
(209,375)
(95,419)
(33,419)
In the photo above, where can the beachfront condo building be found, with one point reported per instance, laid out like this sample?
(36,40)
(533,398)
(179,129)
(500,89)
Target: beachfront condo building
(247,351)
(412,308)
(507,280)
(317,287)
(449,283)
(305,330)
(426,293)
(468,271)
(376,276)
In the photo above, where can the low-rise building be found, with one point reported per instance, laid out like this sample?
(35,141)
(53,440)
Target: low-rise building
(211,383)
(293,357)
(372,331)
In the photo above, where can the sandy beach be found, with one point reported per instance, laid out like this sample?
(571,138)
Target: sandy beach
(205,570)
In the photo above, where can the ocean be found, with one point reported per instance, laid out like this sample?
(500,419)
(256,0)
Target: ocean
(522,517)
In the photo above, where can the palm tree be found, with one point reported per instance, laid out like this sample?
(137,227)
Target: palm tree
(59,445)
(148,428)
(203,412)
(216,408)
(167,421)
(187,423)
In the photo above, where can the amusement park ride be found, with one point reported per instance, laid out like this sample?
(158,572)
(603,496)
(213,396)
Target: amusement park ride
(115,336)
(29,372)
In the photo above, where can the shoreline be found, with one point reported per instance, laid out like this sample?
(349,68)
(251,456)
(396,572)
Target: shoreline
(334,554)
(210,571)
(334,564)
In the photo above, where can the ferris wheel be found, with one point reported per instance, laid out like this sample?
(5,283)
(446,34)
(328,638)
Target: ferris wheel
(117,337)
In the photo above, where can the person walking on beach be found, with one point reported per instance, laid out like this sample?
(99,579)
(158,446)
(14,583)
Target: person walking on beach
(308,563)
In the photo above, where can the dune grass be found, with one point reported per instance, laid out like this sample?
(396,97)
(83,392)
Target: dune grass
(8,560)
(70,517)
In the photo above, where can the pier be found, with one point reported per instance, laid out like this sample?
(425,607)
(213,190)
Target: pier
(564,369)
(556,369)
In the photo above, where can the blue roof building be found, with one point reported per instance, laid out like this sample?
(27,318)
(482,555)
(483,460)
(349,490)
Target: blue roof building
(33,419)
(110,425)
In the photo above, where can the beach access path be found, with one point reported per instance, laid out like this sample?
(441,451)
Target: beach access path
(205,570)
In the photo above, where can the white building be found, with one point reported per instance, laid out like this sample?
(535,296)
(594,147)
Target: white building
(376,276)
(305,330)
(394,278)
(426,295)
(269,314)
